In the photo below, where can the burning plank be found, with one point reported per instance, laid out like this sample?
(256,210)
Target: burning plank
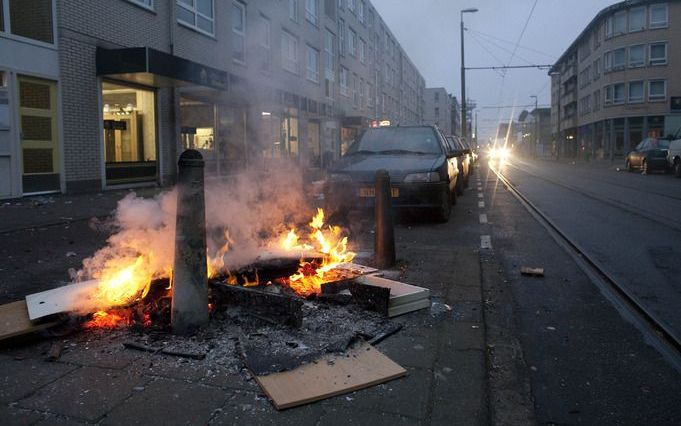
(14,320)
(69,298)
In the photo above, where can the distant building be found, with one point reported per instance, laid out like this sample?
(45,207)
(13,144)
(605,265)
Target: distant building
(535,128)
(107,94)
(618,81)
(456,115)
(438,109)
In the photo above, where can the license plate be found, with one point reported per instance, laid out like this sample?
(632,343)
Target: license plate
(371,192)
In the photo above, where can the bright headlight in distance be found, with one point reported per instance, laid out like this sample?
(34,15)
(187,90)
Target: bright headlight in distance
(422,177)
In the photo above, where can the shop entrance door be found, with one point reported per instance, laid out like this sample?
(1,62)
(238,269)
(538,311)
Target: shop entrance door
(39,135)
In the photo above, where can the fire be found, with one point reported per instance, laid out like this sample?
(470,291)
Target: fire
(334,249)
(103,319)
(123,281)
(216,264)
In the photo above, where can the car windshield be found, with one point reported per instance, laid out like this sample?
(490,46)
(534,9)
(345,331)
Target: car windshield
(659,144)
(397,140)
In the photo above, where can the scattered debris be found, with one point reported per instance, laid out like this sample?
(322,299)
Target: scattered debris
(533,272)
(55,351)
(164,351)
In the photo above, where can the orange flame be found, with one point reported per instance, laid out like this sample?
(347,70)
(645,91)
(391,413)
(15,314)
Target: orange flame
(334,249)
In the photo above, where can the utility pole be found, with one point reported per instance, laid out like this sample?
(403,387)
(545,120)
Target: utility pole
(536,127)
(463,76)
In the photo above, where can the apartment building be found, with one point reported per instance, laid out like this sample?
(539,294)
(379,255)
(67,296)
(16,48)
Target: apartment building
(616,82)
(98,94)
(438,109)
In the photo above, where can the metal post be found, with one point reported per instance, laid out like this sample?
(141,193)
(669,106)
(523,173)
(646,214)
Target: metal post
(190,287)
(384,238)
(463,86)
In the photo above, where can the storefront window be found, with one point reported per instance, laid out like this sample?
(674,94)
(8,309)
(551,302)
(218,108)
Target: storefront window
(129,133)
(289,130)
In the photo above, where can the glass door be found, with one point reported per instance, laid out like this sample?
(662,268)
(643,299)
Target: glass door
(39,135)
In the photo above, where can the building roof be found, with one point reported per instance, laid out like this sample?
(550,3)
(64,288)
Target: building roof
(596,20)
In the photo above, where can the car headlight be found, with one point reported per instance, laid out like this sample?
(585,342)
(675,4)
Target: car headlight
(339,177)
(422,177)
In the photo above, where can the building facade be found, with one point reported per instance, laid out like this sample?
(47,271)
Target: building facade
(438,109)
(456,115)
(616,83)
(98,94)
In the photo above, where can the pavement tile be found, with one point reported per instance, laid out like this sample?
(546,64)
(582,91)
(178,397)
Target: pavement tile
(21,378)
(51,419)
(12,416)
(467,311)
(410,351)
(252,408)
(466,335)
(342,416)
(464,293)
(114,358)
(407,396)
(168,402)
(87,393)
(224,379)
(459,388)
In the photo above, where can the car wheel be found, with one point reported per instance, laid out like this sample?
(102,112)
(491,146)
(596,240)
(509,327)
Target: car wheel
(677,168)
(628,166)
(644,167)
(445,209)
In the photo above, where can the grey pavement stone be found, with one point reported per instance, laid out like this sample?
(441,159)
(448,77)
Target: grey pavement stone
(459,390)
(464,293)
(113,358)
(410,351)
(467,311)
(12,416)
(21,378)
(342,416)
(168,402)
(58,420)
(87,393)
(251,408)
(224,379)
(466,335)
(407,396)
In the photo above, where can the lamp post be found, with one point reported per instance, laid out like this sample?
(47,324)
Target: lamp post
(463,76)
(536,127)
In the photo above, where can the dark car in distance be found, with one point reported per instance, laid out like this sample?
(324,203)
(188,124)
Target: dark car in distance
(649,155)
(423,172)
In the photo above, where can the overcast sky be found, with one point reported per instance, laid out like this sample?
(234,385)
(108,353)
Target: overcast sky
(429,32)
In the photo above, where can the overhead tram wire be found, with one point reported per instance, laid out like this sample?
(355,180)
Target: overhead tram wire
(477,40)
(529,49)
(498,46)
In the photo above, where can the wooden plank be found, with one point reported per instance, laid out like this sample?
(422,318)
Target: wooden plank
(14,320)
(68,298)
(404,298)
(331,375)
(535,272)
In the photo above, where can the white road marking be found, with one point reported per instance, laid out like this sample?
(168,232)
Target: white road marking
(485,242)
(483,218)
(481,204)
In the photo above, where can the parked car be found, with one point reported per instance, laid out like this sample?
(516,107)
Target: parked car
(464,159)
(649,155)
(423,171)
(474,150)
(674,157)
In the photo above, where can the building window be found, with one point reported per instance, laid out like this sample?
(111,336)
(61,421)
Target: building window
(341,37)
(361,93)
(637,19)
(312,64)
(619,57)
(311,12)
(289,52)
(238,32)
(362,50)
(607,61)
(597,100)
(197,14)
(637,56)
(341,4)
(31,19)
(657,90)
(265,42)
(351,5)
(147,4)
(352,43)
(618,93)
(437,112)
(355,95)
(635,92)
(596,67)
(293,10)
(658,53)
(360,11)
(328,56)
(343,77)
(658,15)
(620,23)
(436,97)
(607,95)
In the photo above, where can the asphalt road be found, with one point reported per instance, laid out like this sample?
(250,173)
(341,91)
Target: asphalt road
(628,222)
(586,363)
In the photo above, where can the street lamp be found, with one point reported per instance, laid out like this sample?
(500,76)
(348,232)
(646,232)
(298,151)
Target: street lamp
(463,76)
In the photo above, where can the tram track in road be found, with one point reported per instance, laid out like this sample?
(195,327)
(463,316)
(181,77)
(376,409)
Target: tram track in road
(609,201)
(659,335)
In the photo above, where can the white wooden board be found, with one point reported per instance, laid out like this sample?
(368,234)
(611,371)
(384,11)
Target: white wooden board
(68,298)
(404,298)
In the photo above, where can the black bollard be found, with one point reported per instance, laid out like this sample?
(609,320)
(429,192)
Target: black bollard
(190,283)
(384,238)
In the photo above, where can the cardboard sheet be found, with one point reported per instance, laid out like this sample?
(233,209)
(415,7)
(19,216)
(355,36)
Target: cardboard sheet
(14,320)
(331,375)
(69,298)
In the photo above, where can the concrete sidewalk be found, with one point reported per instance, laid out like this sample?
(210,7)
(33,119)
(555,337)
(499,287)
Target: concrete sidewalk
(97,381)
